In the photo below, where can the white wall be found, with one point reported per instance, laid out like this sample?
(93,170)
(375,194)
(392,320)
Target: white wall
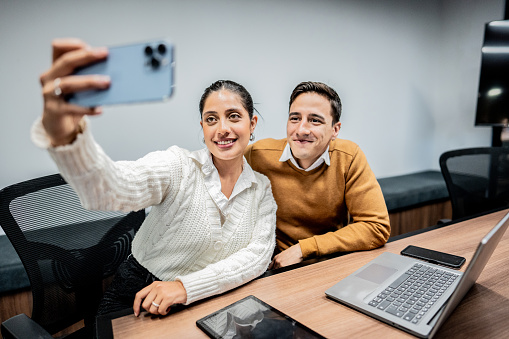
(406,70)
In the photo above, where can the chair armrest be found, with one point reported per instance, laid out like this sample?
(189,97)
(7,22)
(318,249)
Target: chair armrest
(21,326)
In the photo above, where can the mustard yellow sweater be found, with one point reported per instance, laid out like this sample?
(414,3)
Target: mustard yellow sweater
(314,207)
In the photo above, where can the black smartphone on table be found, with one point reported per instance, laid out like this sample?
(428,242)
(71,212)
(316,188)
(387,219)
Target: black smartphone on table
(139,72)
(434,257)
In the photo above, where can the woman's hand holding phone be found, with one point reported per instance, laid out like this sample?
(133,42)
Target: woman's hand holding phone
(60,119)
(81,79)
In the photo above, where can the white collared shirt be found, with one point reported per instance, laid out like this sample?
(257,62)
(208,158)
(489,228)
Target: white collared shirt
(213,183)
(287,155)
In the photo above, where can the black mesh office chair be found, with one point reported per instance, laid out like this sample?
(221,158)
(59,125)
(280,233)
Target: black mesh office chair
(477,179)
(68,253)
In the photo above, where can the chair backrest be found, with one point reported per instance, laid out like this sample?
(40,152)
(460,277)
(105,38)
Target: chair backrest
(68,252)
(477,179)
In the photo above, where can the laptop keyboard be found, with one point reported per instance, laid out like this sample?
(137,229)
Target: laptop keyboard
(414,292)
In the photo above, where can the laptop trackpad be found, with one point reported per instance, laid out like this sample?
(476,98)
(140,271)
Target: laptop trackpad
(356,287)
(376,273)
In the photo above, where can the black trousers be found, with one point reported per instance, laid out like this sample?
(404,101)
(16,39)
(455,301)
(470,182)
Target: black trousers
(130,278)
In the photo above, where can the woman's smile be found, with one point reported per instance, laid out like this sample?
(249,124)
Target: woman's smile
(225,143)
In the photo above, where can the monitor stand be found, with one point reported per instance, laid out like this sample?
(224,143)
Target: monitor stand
(496,136)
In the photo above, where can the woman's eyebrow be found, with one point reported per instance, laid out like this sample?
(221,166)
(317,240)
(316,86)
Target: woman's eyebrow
(232,110)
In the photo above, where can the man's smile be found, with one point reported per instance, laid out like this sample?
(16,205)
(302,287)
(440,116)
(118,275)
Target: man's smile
(302,141)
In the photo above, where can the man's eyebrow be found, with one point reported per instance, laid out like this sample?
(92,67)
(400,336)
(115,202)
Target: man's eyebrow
(316,115)
(311,115)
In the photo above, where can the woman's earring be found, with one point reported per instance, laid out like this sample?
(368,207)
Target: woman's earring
(203,140)
(252,137)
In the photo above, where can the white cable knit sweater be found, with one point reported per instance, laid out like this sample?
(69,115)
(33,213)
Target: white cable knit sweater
(182,237)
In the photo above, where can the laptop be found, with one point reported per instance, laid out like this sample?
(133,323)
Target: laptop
(402,291)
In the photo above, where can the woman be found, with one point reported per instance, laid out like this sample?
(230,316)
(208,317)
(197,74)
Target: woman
(212,225)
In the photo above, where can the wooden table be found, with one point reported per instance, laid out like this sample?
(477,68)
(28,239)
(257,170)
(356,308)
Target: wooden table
(483,313)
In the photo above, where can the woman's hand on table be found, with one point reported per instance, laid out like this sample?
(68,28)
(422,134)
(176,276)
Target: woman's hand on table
(158,297)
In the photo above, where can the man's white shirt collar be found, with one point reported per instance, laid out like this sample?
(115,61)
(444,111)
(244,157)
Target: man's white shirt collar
(287,155)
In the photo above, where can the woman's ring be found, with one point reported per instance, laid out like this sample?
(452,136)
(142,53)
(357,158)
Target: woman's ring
(56,87)
(155,305)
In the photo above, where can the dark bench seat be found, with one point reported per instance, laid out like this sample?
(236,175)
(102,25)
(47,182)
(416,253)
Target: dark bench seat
(411,190)
(12,272)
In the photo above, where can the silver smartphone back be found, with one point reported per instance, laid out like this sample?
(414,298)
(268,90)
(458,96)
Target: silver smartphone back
(140,72)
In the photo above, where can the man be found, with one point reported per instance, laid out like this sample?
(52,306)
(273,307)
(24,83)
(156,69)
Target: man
(328,198)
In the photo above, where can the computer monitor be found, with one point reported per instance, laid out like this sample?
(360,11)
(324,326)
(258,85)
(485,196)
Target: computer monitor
(493,95)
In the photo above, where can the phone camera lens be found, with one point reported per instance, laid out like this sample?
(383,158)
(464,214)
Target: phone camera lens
(161,48)
(148,51)
(155,62)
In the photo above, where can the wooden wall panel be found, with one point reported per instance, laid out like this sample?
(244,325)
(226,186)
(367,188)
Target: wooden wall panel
(419,217)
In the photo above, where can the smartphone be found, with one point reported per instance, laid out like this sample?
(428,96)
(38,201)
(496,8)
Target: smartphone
(139,72)
(434,257)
